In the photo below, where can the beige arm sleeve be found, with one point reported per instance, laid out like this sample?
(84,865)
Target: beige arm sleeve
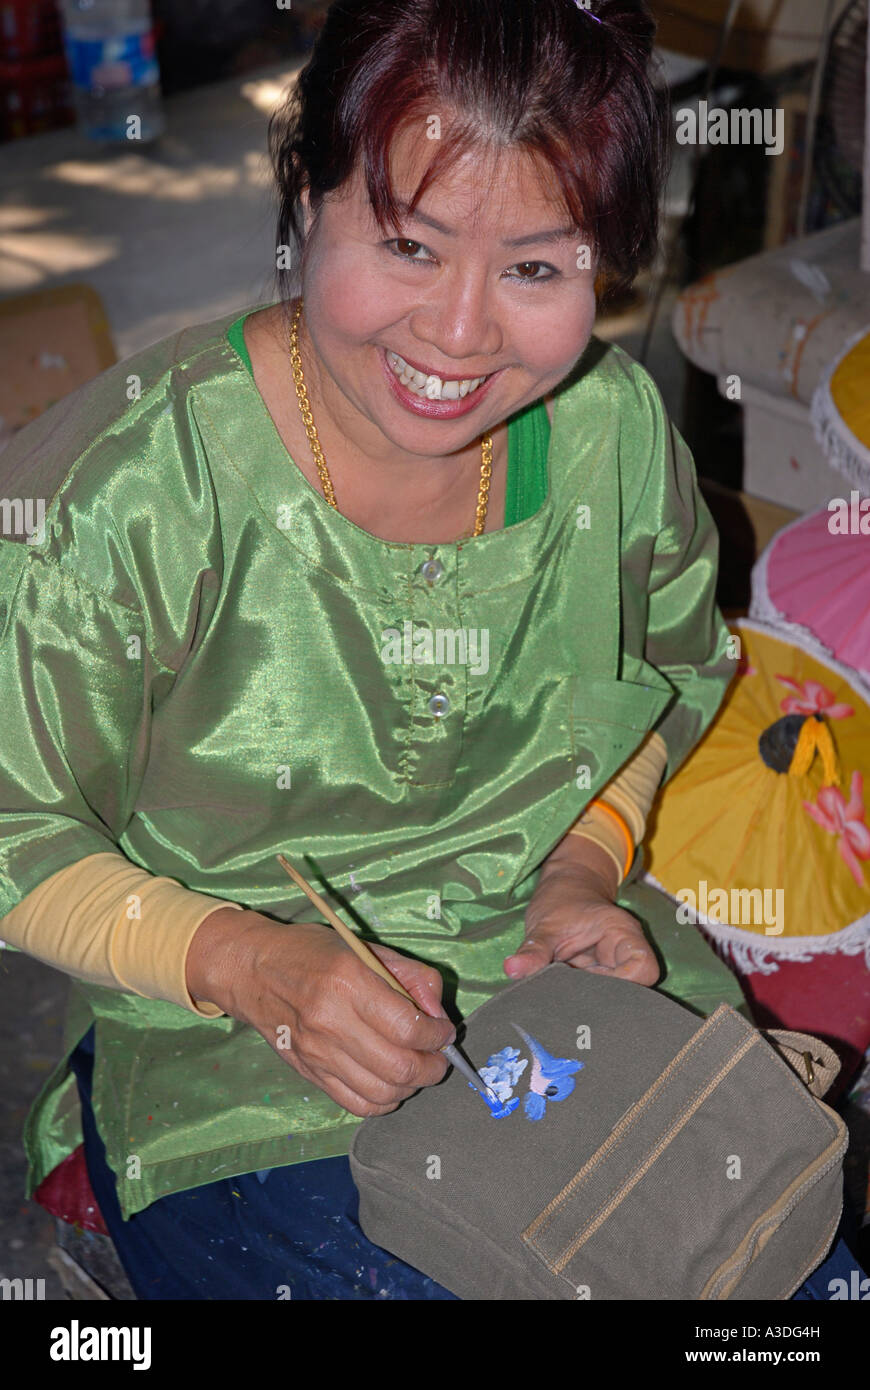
(106,921)
(631,793)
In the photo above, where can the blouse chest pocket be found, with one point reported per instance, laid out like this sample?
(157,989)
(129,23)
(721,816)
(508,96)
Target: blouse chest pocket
(607,720)
(611,718)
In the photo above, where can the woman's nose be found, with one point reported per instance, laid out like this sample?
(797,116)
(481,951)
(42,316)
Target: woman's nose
(460,322)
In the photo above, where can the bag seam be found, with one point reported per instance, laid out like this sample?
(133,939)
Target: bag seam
(661,1083)
(806,1180)
(556,1264)
(618,1194)
(817,1257)
(714,1021)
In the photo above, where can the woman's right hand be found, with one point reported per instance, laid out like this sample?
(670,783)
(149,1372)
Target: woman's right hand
(322,1009)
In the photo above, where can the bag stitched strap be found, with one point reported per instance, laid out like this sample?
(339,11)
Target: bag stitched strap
(816,1064)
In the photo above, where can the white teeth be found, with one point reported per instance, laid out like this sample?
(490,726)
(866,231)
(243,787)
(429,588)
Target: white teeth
(431,387)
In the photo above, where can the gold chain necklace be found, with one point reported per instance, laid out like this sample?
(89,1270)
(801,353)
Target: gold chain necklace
(320,461)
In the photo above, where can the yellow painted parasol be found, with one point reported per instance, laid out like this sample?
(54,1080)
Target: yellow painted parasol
(762,834)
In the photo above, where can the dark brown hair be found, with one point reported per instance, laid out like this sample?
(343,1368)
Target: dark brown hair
(568,86)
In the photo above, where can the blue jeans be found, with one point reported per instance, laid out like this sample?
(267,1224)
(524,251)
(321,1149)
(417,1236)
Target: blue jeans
(292,1232)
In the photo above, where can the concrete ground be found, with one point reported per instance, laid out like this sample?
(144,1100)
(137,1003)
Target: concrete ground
(169,234)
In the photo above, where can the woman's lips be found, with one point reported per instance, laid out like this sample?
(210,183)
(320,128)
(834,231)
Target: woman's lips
(434,410)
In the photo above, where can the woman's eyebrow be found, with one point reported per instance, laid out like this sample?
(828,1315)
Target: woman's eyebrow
(554,234)
(530,239)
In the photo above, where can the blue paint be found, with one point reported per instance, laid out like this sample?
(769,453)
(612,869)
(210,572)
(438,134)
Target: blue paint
(496,1108)
(501,1073)
(551,1078)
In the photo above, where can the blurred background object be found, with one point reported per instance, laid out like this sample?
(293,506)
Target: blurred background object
(51,342)
(111,50)
(769,249)
(766,36)
(54,53)
(34,84)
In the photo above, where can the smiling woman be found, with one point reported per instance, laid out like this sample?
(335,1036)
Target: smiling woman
(460,136)
(409,354)
(421,437)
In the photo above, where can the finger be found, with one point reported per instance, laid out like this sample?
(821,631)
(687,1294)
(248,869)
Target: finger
(625,953)
(423,981)
(583,960)
(617,947)
(534,954)
(638,963)
(351,1100)
(390,1014)
(355,1042)
(383,1075)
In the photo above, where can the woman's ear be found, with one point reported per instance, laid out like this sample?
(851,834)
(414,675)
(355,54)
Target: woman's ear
(307,214)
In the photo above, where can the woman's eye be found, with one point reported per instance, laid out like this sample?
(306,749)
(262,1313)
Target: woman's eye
(406,248)
(529,271)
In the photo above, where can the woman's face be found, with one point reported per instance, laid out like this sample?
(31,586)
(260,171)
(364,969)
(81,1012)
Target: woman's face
(487,280)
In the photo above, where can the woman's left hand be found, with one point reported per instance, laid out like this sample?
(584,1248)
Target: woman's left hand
(571,918)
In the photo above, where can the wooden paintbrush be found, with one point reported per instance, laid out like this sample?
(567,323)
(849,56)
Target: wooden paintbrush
(360,948)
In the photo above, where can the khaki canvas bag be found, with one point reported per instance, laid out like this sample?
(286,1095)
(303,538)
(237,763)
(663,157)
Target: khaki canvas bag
(635,1151)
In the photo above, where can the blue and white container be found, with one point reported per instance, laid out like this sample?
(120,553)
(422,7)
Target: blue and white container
(112,55)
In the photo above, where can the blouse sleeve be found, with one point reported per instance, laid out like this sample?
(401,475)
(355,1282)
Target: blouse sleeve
(76,688)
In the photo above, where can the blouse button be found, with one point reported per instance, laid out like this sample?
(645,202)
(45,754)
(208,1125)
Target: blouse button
(439,705)
(432,570)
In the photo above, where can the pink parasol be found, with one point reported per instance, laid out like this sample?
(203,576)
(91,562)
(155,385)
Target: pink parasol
(813,583)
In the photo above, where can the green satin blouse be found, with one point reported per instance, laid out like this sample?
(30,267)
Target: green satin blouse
(202,664)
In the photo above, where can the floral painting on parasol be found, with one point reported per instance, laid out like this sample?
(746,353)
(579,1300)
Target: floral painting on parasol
(812,584)
(761,836)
